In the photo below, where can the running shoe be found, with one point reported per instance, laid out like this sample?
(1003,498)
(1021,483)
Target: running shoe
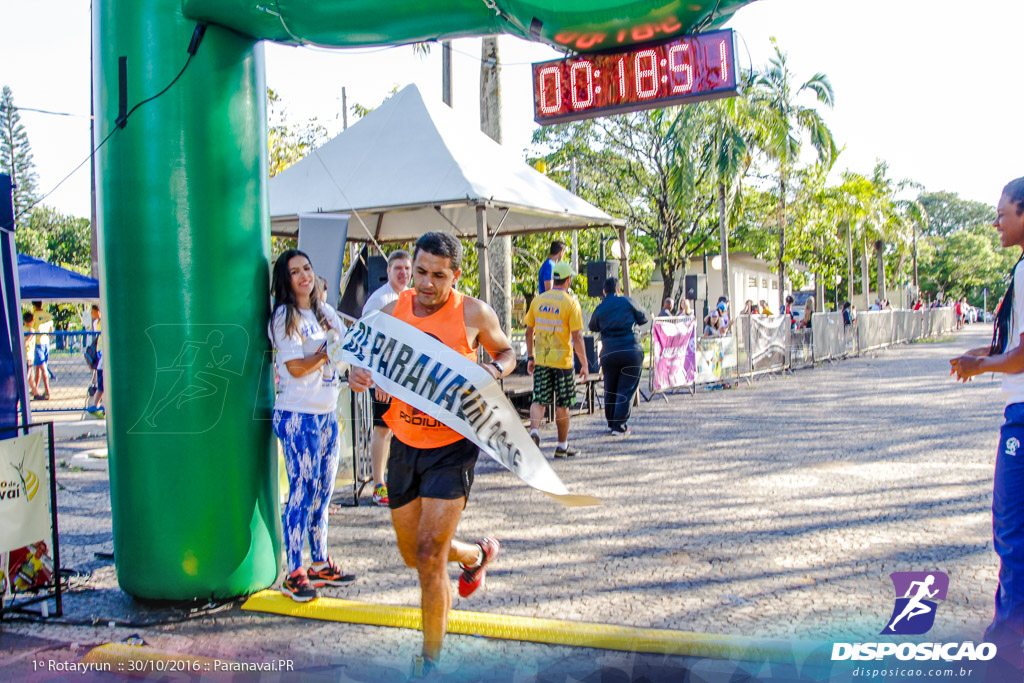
(329,575)
(297,586)
(536,439)
(380,496)
(473,577)
(564,452)
(423,666)
(622,431)
(96,412)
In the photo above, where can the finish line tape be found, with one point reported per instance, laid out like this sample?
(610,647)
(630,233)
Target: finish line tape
(550,631)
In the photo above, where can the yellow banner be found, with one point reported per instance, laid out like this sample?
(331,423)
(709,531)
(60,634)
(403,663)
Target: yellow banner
(24,492)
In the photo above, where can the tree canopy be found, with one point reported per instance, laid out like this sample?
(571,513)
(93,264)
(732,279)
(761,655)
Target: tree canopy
(16,154)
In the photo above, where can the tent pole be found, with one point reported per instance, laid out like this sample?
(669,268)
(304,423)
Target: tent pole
(483,264)
(624,246)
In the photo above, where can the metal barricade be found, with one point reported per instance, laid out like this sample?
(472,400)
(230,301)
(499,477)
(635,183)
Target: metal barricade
(801,349)
(717,360)
(829,337)
(768,342)
(362,429)
(874,329)
(72,382)
(673,354)
(741,333)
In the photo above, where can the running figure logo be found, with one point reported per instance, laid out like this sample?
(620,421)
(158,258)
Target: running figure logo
(916,593)
(194,367)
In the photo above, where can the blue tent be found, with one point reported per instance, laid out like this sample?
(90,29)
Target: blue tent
(41,280)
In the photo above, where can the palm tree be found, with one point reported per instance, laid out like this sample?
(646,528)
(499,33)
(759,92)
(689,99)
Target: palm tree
(893,220)
(789,122)
(850,202)
(918,217)
(733,131)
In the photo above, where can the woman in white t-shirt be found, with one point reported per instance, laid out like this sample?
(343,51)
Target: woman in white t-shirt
(304,419)
(1006,355)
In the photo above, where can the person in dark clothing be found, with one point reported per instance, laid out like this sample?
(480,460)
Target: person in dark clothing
(622,358)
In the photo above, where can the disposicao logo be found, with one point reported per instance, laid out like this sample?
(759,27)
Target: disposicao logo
(917,594)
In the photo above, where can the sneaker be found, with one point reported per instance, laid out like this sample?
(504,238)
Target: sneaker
(564,452)
(329,575)
(536,439)
(473,577)
(96,412)
(297,586)
(380,496)
(423,666)
(624,431)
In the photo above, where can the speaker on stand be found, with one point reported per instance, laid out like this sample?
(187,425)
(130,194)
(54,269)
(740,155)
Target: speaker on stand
(597,273)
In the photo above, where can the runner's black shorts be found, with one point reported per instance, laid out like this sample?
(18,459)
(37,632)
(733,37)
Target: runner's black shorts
(379,408)
(548,381)
(445,472)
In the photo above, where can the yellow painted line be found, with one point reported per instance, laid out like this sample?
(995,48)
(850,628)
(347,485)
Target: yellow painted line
(551,631)
(122,658)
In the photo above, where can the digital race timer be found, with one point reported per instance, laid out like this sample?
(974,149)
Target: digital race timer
(675,71)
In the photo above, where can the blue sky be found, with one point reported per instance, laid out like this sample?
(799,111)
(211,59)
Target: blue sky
(925,85)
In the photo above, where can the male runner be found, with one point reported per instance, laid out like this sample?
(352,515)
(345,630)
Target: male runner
(431,466)
(399,274)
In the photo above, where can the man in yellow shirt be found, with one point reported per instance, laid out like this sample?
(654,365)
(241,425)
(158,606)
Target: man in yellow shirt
(553,326)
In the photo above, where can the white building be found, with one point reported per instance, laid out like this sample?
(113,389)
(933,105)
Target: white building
(750,278)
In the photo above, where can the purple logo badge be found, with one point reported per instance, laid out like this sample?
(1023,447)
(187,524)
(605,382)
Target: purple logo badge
(916,596)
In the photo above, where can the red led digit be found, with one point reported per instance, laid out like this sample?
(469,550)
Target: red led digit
(665,73)
(680,66)
(641,74)
(725,64)
(546,108)
(588,84)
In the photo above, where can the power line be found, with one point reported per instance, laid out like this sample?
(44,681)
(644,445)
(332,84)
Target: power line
(52,113)
(197,36)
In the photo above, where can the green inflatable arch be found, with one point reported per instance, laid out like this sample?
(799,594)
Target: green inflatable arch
(185,244)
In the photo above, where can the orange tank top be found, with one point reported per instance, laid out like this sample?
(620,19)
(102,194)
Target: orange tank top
(448,325)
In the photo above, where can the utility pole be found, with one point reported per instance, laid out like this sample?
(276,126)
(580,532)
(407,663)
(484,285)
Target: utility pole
(344,109)
(446,72)
(575,186)
(94,251)
(500,251)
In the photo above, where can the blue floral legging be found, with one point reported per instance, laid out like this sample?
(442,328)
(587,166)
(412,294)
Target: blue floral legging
(311,458)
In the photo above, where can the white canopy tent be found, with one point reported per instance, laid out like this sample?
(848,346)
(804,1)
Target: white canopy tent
(410,167)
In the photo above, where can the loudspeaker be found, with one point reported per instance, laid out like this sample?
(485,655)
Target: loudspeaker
(590,348)
(365,277)
(376,273)
(597,273)
(695,287)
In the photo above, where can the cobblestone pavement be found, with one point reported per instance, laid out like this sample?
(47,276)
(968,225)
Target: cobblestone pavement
(774,509)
